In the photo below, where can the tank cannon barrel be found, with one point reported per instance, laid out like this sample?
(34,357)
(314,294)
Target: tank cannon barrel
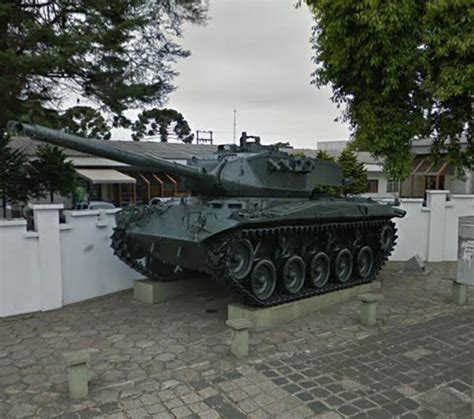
(107,150)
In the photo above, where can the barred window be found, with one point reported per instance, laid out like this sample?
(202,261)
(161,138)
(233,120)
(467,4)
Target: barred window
(393,185)
(372,185)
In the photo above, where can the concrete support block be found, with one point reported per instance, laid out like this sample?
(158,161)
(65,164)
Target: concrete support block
(78,376)
(154,292)
(239,345)
(268,317)
(459,293)
(368,311)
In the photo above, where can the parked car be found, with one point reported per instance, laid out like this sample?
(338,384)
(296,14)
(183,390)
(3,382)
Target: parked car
(159,199)
(93,205)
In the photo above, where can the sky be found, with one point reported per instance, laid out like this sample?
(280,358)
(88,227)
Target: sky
(255,56)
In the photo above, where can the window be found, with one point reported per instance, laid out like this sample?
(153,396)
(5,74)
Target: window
(393,185)
(372,186)
(431,183)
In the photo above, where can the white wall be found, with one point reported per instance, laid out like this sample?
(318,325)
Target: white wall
(431,231)
(58,264)
(89,267)
(20,287)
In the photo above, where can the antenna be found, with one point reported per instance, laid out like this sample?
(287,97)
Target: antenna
(235,122)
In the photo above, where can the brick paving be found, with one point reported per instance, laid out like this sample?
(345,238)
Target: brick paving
(172,360)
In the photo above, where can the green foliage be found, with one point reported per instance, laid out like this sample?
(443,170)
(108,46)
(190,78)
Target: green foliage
(300,154)
(281,144)
(354,171)
(404,69)
(15,183)
(86,122)
(157,122)
(117,55)
(53,173)
(331,190)
(324,155)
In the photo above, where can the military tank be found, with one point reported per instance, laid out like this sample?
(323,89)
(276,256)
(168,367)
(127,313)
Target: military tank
(253,221)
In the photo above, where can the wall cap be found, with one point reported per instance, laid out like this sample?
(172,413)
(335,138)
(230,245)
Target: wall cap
(435,192)
(462,196)
(41,207)
(414,200)
(32,235)
(89,213)
(13,222)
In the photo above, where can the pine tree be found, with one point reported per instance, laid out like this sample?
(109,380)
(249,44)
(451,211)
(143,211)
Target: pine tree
(331,190)
(324,155)
(158,122)
(55,174)
(354,171)
(15,184)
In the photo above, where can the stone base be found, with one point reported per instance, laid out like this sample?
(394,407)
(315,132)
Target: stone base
(266,318)
(154,292)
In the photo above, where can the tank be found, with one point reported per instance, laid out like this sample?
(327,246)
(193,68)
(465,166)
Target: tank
(253,221)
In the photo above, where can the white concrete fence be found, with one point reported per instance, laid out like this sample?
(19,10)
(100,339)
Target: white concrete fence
(59,264)
(431,231)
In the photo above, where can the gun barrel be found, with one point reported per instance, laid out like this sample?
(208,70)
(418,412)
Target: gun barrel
(107,150)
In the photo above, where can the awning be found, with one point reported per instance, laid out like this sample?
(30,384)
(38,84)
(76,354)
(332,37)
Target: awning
(105,176)
(428,167)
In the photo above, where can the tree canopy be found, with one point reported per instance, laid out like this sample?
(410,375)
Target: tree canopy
(158,122)
(404,69)
(116,55)
(15,183)
(353,170)
(53,172)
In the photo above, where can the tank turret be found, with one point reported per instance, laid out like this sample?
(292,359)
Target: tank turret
(249,169)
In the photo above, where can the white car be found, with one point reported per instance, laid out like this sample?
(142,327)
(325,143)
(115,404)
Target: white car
(93,205)
(159,199)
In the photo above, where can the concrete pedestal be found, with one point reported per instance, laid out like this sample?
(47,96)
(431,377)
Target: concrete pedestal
(266,318)
(368,310)
(239,345)
(459,293)
(154,292)
(78,376)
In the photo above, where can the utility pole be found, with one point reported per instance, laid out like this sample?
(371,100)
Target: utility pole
(235,122)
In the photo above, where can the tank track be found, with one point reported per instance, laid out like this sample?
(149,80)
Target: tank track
(124,253)
(218,254)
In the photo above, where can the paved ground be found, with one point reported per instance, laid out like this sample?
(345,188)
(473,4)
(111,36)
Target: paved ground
(172,360)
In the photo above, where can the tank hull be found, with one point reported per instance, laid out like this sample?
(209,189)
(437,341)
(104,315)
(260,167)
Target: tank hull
(201,235)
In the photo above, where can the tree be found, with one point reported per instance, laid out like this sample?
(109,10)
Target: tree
(404,70)
(332,190)
(158,122)
(86,122)
(324,155)
(283,144)
(15,184)
(354,171)
(53,172)
(117,55)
